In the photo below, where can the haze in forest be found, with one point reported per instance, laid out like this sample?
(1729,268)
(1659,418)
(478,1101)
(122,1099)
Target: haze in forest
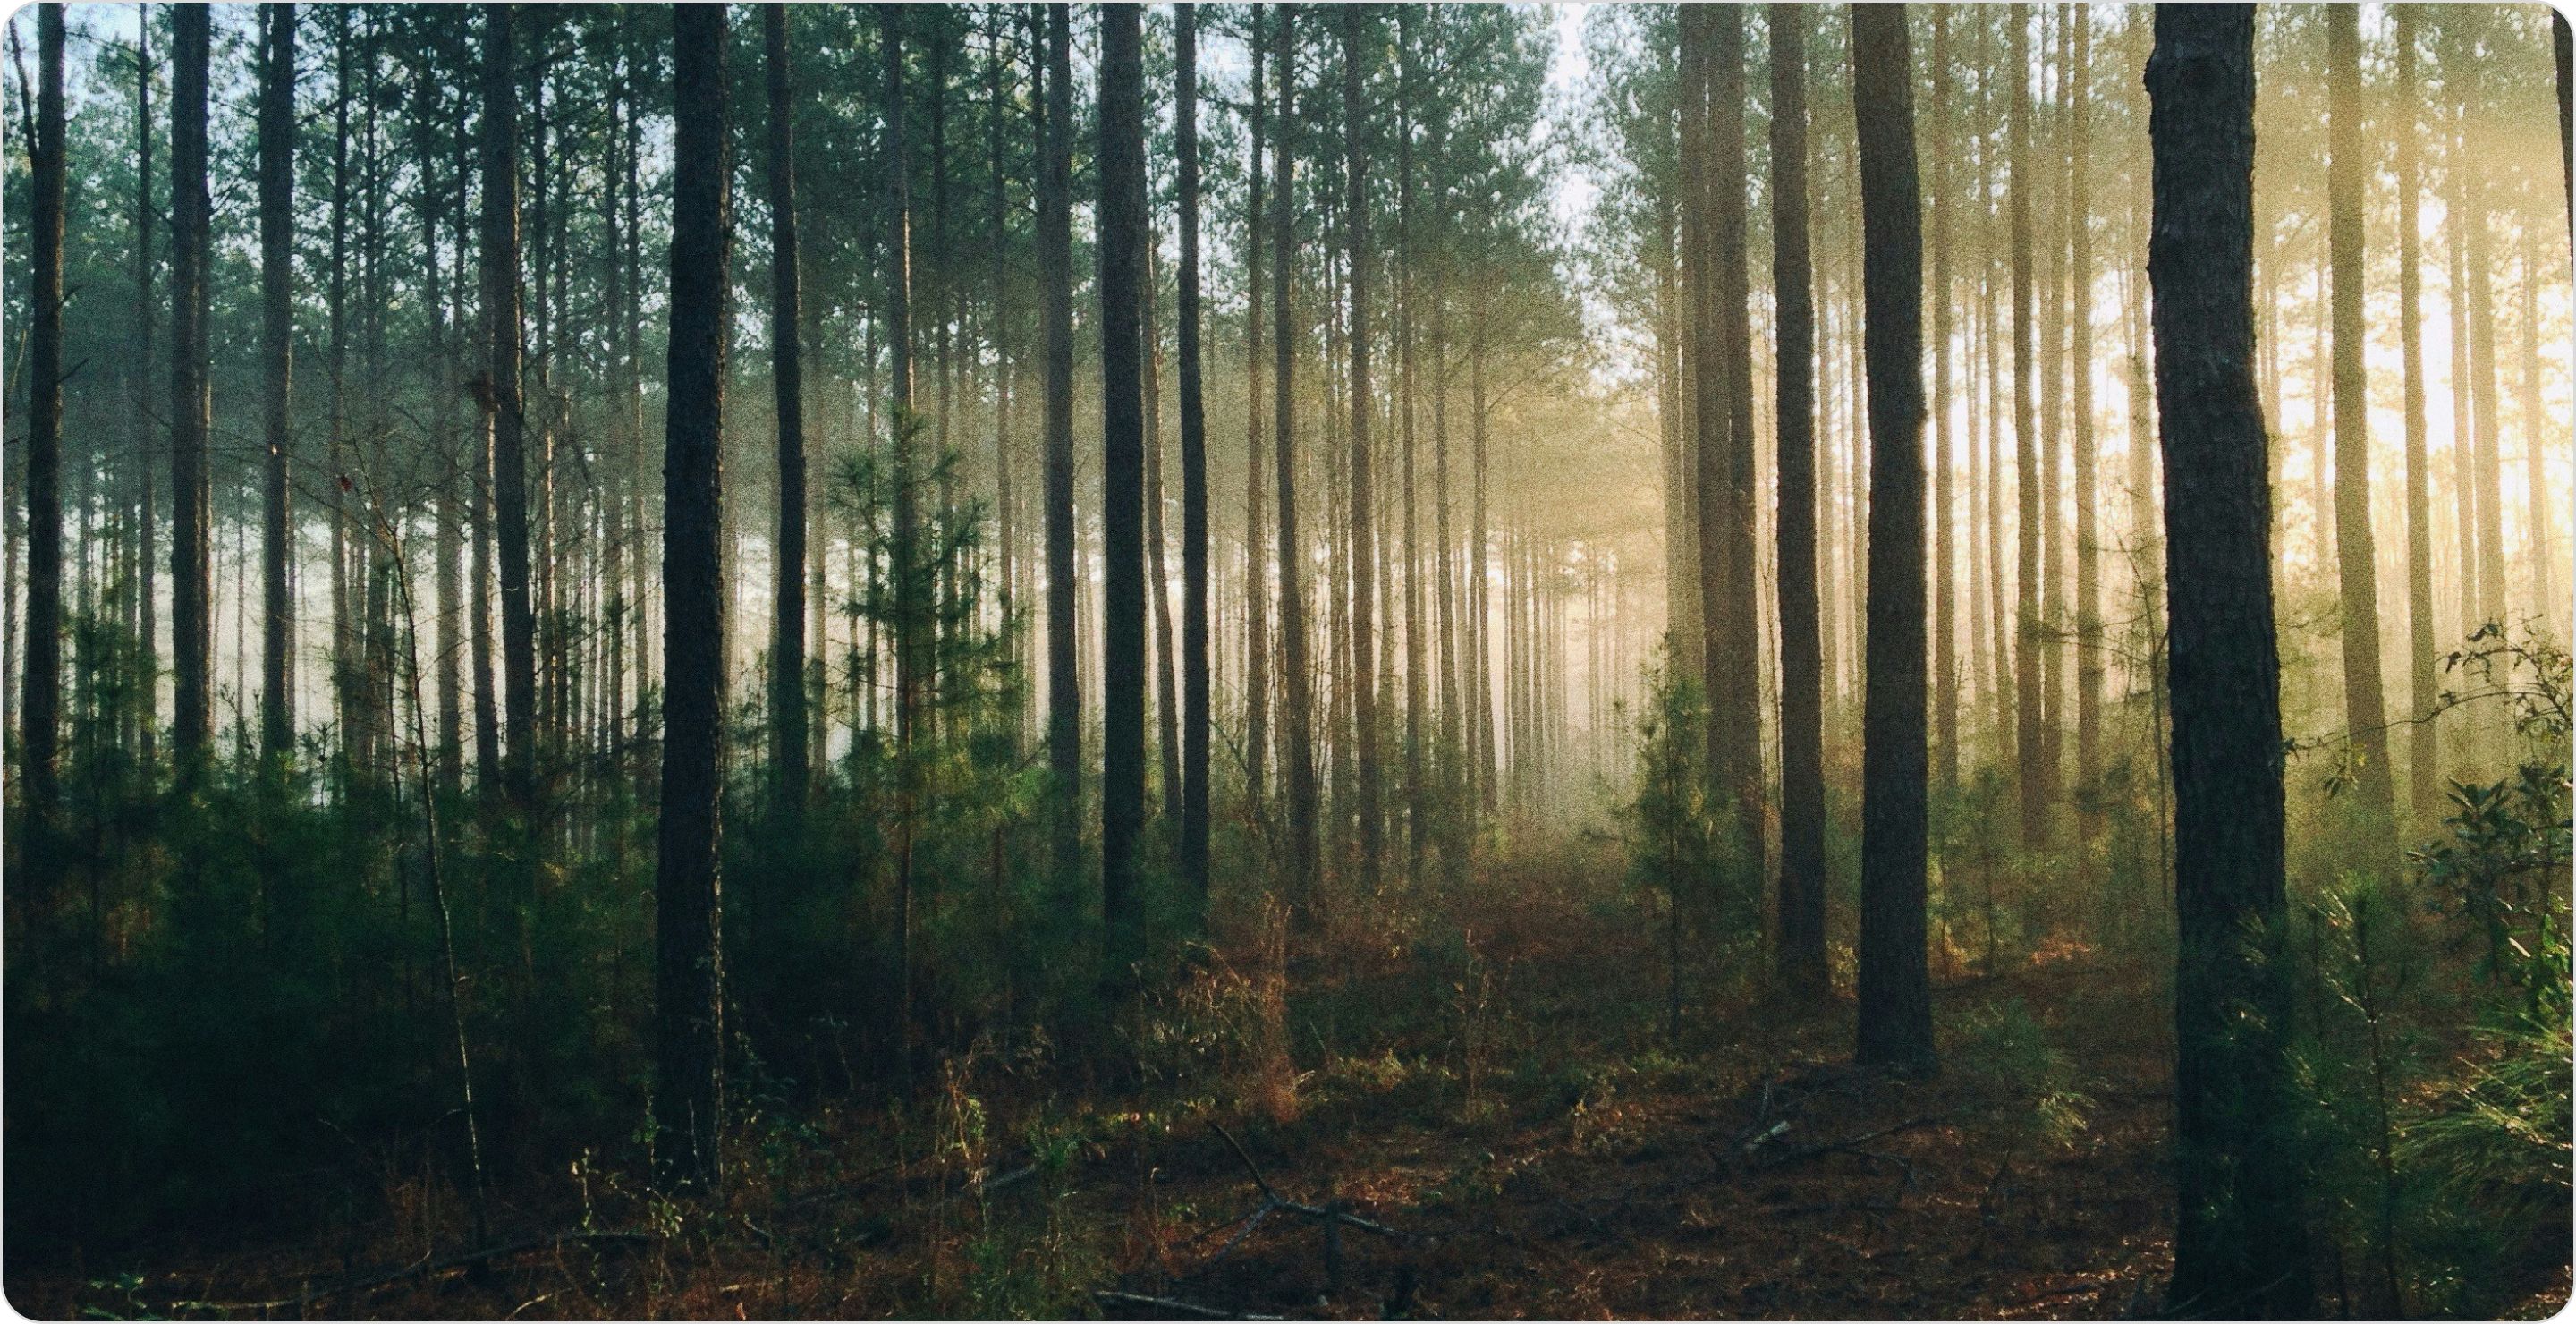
(865,659)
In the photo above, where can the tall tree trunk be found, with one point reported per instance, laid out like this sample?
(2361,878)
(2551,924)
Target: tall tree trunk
(509,414)
(1164,658)
(913,615)
(788,731)
(1194,505)
(2239,1247)
(2088,540)
(277,357)
(192,617)
(146,428)
(1297,695)
(2539,428)
(1416,810)
(1363,677)
(1256,565)
(1945,579)
(1895,1014)
(688,1099)
(40,718)
(1122,271)
(2423,740)
(1735,712)
(1055,260)
(1801,956)
(2031,738)
(2356,549)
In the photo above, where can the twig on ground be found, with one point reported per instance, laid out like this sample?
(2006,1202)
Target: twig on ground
(1190,1309)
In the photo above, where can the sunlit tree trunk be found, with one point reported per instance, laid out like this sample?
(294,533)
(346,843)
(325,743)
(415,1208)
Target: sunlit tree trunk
(1801,954)
(2365,714)
(2031,741)
(2423,740)
(1363,608)
(2088,537)
(1945,580)
(1256,562)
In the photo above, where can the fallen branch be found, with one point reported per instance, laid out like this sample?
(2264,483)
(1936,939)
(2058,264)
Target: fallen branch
(1321,1214)
(421,1269)
(1166,1303)
(1855,1142)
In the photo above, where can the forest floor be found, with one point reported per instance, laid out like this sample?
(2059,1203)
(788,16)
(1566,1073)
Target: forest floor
(1510,1138)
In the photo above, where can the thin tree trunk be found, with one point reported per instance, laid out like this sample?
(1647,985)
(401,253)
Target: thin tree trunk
(2423,739)
(1256,566)
(277,357)
(1801,956)
(1363,608)
(2088,539)
(1297,750)
(192,618)
(788,731)
(2027,646)
(40,718)
(1194,505)
(1945,580)
(509,416)
(1055,258)
(2365,715)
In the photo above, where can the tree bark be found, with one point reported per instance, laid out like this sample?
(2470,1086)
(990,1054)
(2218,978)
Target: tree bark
(1122,423)
(788,753)
(40,694)
(1297,706)
(1363,524)
(1945,580)
(2031,738)
(1801,955)
(1194,505)
(2239,1245)
(1895,1009)
(2423,744)
(1256,564)
(277,359)
(1055,260)
(501,312)
(688,893)
(2088,541)
(2356,551)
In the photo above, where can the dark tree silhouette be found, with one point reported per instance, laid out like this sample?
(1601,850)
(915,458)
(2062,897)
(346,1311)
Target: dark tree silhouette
(2239,1246)
(277,359)
(192,615)
(41,697)
(1122,458)
(688,1098)
(1363,504)
(1895,1012)
(1194,483)
(1055,262)
(788,729)
(501,389)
